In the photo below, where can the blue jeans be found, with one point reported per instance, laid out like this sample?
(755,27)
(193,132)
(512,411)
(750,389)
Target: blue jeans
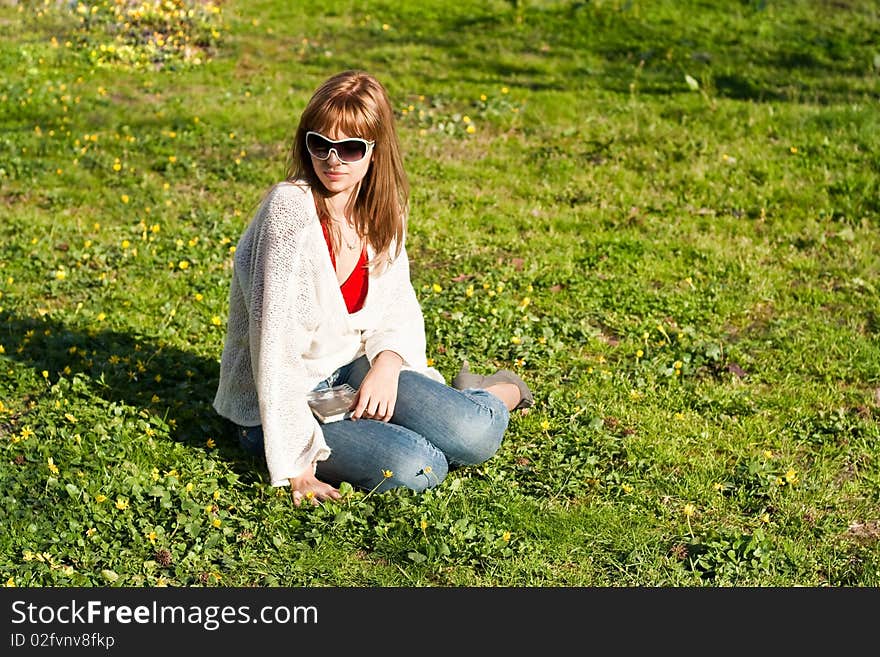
(434,429)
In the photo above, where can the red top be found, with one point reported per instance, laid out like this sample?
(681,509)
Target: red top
(354,289)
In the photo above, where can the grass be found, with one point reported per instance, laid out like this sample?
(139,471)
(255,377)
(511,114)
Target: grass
(664,217)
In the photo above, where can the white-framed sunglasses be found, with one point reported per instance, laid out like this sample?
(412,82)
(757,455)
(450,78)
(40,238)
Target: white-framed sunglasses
(349,151)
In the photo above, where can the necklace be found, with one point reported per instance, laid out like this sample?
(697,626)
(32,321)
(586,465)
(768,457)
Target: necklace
(348,245)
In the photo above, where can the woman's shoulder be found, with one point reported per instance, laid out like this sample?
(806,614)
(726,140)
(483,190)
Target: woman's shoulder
(288,193)
(287,204)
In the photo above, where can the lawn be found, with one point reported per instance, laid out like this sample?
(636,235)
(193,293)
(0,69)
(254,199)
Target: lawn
(664,215)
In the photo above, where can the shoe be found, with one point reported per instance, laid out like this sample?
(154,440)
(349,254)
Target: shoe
(466,379)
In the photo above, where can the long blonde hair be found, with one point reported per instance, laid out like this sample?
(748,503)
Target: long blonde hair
(356,104)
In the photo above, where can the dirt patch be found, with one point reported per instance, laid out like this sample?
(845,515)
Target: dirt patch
(864,532)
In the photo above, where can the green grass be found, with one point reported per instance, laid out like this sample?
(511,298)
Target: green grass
(686,274)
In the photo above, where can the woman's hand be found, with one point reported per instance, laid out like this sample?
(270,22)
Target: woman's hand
(378,391)
(308,487)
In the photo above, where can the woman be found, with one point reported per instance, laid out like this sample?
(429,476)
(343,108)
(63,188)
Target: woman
(321,296)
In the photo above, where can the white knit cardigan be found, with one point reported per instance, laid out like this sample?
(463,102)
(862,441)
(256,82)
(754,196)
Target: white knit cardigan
(289,328)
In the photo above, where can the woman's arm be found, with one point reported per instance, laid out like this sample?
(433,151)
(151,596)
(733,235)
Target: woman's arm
(282,315)
(401,327)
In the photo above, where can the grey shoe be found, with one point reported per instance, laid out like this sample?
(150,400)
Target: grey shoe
(466,379)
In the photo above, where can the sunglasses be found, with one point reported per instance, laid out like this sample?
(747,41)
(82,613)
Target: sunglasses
(349,151)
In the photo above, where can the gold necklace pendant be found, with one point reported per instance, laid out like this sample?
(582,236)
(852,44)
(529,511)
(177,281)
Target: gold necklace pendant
(350,247)
(339,223)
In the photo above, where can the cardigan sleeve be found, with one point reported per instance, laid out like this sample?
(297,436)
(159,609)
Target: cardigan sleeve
(402,326)
(281,319)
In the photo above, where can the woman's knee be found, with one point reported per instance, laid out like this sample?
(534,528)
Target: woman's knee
(479,436)
(478,446)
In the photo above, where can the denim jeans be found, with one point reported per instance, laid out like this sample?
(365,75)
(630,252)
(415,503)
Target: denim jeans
(434,429)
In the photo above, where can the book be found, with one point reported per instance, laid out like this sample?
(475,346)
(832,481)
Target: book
(332,404)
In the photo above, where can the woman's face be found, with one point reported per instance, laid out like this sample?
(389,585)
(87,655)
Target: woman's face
(338,175)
